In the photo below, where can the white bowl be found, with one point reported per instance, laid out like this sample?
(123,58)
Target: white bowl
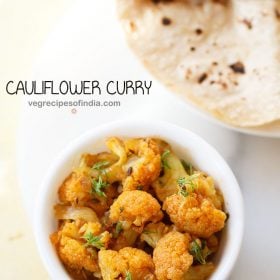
(185,143)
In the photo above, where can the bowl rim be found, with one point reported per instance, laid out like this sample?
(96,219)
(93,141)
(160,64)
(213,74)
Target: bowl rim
(45,248)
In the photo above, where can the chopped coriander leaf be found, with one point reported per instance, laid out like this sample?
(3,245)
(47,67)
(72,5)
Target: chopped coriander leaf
(100,165)
(196,251)
(164,156)
(128,275)
(92,240)
(183,181)
(188,167)
(118,229)
(98,186)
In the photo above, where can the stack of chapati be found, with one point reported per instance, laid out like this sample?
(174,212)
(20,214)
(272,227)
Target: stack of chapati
(222,55)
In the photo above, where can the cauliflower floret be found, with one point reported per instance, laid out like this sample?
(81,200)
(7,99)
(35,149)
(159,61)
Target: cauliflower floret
(115,172)
(138,264)
(153,232)
(194,214)
(77,186)
(79,190)
(92,233)
(76,256)
(143,166)
(171,256)
(206,187)
(94,228)
(166,185)
(135,207)
(71,250)
(111,264)
(75,189)
(77,243)
(70,229)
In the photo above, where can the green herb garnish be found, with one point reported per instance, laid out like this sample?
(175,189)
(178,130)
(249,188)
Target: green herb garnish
(128,275)
(164,157)
(100,165)
(98,186)
(92,240)
(196,251)
(183,182)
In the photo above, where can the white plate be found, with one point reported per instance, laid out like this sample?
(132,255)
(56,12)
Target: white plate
(89,44)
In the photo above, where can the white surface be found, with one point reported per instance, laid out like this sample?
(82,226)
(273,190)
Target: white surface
(192,149)
(86,46)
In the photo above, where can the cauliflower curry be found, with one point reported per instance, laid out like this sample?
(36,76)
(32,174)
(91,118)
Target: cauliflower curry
(137,211)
